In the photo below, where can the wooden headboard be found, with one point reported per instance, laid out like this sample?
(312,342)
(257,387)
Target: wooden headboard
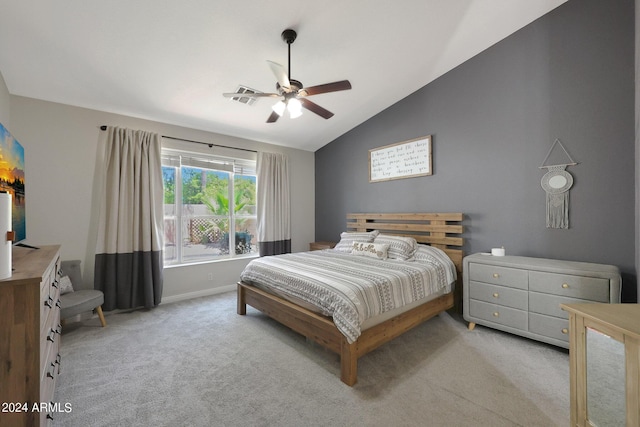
(441,230)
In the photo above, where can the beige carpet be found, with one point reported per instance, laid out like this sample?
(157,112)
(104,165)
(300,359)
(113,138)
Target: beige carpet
(198,363)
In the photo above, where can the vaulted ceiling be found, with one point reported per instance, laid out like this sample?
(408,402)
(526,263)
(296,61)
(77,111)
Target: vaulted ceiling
(171,61)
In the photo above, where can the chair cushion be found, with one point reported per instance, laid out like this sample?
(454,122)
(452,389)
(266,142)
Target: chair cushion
(78,302)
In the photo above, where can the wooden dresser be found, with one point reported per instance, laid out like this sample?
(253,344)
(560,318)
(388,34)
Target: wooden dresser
(522,295)
(30,337)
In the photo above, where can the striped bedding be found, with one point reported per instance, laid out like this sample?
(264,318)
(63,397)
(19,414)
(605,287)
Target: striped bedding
(352,288)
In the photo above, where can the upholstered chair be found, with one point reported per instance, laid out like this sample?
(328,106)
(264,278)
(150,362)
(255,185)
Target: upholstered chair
(78,300)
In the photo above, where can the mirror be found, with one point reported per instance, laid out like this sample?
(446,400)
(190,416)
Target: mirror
(605,380)
(557,181)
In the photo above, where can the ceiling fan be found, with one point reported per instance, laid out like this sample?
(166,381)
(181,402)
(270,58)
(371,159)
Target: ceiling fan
(292,93)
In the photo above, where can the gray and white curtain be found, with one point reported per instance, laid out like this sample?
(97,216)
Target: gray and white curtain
(274,208)
(129,262)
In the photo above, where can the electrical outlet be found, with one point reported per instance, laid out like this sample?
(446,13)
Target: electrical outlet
(210,276)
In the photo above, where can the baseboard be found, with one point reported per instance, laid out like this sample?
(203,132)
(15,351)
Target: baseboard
(165,300)
(198,294)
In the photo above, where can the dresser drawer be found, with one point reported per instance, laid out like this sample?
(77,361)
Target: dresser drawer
(583,287)
(50,336)
(494,294)
(511,277)
(498,314)
(549,304)
(548,326)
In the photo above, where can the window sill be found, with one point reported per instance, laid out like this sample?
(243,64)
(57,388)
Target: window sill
(213,261)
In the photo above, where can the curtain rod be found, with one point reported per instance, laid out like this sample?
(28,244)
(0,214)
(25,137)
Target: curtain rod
(104,127)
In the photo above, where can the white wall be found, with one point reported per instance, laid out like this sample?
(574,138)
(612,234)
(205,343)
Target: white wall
(4,103)
(60,144)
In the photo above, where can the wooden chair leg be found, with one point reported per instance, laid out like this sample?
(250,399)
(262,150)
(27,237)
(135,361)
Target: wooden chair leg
(101,316)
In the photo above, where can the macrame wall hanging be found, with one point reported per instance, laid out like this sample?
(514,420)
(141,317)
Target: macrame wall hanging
(557,182)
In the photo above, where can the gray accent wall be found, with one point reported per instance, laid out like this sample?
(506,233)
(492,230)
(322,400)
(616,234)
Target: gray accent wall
(568,75)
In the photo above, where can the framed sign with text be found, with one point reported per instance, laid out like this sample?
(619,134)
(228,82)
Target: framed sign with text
(405,159)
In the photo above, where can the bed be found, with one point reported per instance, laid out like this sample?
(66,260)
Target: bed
(333,329)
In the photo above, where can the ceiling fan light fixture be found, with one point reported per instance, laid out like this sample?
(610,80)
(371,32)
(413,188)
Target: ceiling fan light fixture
(295,108)
(279,108)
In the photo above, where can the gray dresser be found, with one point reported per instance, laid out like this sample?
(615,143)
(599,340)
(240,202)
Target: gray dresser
(522,295)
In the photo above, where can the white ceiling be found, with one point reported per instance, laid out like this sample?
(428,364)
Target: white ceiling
(170,61)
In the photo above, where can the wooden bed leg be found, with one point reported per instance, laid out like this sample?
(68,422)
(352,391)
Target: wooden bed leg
(242,306)
(471,326)
(348,363)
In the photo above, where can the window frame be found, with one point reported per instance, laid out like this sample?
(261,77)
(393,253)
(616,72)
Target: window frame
(177,158)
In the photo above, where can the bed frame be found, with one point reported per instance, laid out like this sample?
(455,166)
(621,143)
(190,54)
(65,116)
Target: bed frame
(441,230)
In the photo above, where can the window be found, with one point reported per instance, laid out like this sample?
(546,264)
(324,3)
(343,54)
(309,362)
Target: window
(209,207)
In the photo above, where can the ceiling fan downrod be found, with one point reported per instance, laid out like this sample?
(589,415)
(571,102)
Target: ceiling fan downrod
(289,36)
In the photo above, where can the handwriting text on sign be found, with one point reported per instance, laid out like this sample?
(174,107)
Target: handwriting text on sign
(401,160)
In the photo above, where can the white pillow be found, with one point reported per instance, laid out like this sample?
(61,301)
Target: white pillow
(401,248)
(348,238)
(65,285)
(373,250)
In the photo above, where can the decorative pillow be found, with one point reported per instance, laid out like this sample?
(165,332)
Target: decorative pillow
(348,238)
(65,285)
(373,250)
(401,248)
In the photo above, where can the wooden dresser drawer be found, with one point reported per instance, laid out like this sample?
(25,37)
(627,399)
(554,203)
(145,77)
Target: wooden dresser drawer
(589,288)
(506,316)
(494,294)
(549,326)
(496,275)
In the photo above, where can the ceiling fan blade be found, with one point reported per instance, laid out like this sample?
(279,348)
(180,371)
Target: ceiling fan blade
(250,95)
(313,107)
(273,117)
(327,87)
(281,74)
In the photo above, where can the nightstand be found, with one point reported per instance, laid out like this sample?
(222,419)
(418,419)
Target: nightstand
(317,246)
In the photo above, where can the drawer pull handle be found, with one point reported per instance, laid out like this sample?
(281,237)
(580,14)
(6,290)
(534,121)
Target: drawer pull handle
(565,286)
(53,369)
(58,304)
(496,314)
(49,417)
(496,275)
(565,331)
(496,295)
(51,336)
(55,284)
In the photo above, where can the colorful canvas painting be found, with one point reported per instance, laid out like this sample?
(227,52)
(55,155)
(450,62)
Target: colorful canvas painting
(12,179)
